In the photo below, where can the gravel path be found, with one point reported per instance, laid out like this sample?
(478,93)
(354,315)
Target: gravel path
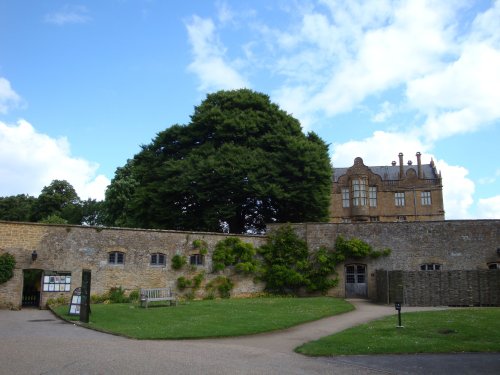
(35,342)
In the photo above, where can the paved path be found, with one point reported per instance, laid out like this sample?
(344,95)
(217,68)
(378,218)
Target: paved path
(35,342)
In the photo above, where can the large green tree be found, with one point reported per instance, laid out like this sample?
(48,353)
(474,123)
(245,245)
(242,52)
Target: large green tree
(16,207)
(239,163)
(58,199)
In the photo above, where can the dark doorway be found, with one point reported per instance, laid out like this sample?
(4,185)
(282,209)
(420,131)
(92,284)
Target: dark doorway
(31,287)
(355,281)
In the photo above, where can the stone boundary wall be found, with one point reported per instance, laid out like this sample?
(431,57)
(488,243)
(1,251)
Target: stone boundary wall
(439,288)
(458,245)
(66,248)
(461,245)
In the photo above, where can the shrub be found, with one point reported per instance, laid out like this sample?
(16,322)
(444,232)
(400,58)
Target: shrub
(201,245)
(99,298)
(183,283)
(178,261)
(117,295)
(222,284)
(7,264)
(57,301)
(198,279)
(232,251)
(209,296)
(134,295)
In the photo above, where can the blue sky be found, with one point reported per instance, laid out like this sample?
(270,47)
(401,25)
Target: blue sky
(84,84)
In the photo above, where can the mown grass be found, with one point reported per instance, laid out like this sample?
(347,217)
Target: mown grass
(446,331)
(210,318)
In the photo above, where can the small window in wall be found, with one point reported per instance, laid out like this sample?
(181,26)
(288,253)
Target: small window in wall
(494,266)
(346,220)
(372,192)
(158,259)
(430,267)
(374,218)
(399,198)
(402,218)
(425,197)
(116,257)
(345,197)
(196,259)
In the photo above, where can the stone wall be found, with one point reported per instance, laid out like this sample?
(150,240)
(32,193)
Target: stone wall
(454,244)
(73,248)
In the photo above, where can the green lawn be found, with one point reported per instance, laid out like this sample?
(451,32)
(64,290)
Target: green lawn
(447,331)
(210,318)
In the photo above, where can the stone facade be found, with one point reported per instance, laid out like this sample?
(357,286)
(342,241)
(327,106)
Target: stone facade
(453,245)
(387,193)
(66,250)
(472,245)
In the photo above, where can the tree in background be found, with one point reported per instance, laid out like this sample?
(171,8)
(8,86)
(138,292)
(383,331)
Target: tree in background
(58,203)
(239,163)
(16,207)
(58,199)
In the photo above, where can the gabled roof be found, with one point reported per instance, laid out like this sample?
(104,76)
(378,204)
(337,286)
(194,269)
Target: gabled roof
(391,172)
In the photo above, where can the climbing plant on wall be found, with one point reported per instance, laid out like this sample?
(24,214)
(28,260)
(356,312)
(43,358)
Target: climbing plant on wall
(234,252)
(289,266)
(286,264)
(7,264)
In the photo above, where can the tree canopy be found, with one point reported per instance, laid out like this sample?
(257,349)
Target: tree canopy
(239,163)
(58,203)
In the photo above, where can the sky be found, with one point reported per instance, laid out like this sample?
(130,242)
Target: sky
(83,84)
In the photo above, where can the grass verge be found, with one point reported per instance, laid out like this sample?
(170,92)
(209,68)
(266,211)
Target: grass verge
(446,331)
(210,318)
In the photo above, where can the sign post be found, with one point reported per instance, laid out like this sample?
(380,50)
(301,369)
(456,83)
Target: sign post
(397,306)
(85,296)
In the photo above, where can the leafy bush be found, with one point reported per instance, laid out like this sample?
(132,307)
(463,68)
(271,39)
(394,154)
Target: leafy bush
(356,248)
(7,264)
(232,251)
(198,279)
(286,264)
(134,295)
(178,261)
(58,301)
(99,298)
(201,245)
(222,284)
(183,283)
(117,295)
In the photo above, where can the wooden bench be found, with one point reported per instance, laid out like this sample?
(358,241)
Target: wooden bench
(157,294)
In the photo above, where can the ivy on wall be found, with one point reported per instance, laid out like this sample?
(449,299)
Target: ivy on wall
(285,263)
(7,264)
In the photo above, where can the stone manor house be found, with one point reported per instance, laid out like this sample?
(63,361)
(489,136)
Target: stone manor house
(432,261)
(387,193)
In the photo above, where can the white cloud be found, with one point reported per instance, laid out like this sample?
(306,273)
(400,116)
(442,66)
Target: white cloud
(69,14)
(386,111)
(361,49)
(8,97)
(30,160)
(489,208)
(380,149)
(209,61)
(463,96)
(458,191)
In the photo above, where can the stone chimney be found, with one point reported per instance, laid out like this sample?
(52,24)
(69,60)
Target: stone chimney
(419,164)
(401,167)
